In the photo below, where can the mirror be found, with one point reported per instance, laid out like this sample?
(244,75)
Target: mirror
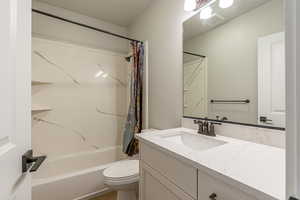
(234,63)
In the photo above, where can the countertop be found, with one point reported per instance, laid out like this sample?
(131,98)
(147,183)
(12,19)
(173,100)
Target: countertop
(256,169)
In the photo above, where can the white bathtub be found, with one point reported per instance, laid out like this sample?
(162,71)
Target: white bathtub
(74,177)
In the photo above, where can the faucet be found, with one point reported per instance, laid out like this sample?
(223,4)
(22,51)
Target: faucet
(206,128)
(200,125)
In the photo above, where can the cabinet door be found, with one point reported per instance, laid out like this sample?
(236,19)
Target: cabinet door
(154,187)
(210,188)
(182,175)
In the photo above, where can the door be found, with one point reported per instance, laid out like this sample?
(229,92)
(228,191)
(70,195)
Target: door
(15,89)
(195,88)
(271,80)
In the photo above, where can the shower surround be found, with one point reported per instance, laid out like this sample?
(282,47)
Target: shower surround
(79,101)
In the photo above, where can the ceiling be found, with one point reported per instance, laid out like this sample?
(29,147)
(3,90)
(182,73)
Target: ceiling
(119,12)
(194,26)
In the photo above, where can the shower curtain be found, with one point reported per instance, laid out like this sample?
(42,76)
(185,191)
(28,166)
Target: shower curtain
(134,117)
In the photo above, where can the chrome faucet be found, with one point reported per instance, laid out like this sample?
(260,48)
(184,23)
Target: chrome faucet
(206,128)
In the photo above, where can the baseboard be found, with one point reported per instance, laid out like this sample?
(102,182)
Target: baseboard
(94,194)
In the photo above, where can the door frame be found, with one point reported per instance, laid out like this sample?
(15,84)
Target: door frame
(292,21)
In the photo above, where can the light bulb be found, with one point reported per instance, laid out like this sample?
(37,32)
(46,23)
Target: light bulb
(190,5)
(225,3)
(206,13)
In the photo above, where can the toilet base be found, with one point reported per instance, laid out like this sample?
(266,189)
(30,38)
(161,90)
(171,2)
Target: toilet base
(127,195)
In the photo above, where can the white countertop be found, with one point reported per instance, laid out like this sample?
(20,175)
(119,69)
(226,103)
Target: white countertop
(254,168)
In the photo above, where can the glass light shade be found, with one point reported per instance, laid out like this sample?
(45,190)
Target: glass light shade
(206,13)
(190,5)
(225,3)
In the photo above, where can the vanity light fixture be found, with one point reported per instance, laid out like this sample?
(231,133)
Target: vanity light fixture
(206,13)
(225,3)
(190,5)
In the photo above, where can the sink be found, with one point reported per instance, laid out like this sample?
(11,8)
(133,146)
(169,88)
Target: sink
(193,141)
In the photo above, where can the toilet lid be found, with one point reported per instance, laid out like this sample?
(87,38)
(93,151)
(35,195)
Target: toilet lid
(123,169)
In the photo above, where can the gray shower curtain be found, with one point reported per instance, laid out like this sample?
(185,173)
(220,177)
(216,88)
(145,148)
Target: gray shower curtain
(134,118)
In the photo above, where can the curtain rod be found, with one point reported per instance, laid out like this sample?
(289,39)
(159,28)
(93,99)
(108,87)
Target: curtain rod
(84,25)
(193,54)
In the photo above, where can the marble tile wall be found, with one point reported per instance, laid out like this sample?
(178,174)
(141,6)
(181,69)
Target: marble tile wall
(79,97)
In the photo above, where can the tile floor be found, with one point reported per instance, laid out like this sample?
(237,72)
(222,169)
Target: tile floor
(109,196)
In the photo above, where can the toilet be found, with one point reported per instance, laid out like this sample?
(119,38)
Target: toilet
(123,177)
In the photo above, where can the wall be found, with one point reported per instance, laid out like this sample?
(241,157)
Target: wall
(46,27)
(232,58)
(161,26)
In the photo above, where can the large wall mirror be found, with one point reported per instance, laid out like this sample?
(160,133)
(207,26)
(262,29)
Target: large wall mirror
(234,63)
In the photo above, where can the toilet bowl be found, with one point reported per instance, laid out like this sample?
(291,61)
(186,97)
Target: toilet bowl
(123,177)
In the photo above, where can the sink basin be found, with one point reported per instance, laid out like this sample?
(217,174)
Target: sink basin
(193,141)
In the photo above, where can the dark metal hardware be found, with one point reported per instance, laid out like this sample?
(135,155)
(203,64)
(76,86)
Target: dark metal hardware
(230,101)
(206,128)
(28,160)
(193,54)
(224,119)
(293,198)
(213,196)
(265,120)
(84,25)
(200,126)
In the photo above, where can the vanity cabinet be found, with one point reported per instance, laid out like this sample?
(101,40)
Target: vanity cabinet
(172,175)
(154,186)
(210,188)
(164,177)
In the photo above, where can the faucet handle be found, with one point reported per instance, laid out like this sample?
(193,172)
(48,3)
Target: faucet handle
(198,121)
(200,125)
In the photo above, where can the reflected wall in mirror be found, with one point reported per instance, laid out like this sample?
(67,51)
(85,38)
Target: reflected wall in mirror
(234,64)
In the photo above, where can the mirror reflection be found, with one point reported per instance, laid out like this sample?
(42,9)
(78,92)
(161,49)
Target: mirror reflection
(234,63)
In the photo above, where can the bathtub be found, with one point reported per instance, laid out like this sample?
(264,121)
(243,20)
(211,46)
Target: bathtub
(74,177)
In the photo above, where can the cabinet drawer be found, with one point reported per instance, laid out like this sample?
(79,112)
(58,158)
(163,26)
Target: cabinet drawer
(208,186)
(182,175)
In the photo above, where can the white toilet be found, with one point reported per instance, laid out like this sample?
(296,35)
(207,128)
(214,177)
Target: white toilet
(123,177)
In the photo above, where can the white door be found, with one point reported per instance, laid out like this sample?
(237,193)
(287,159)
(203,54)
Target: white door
(15,90)
(195,88)
(271,80)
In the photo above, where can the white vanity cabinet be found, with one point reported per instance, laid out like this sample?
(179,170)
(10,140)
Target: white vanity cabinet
(210,188)
(163,177)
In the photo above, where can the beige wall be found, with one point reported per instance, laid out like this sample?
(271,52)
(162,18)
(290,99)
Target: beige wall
(232,58)
(49,28)
(161,25)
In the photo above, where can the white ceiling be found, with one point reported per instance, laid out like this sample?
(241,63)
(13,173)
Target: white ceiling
(194,26)
(119,12)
